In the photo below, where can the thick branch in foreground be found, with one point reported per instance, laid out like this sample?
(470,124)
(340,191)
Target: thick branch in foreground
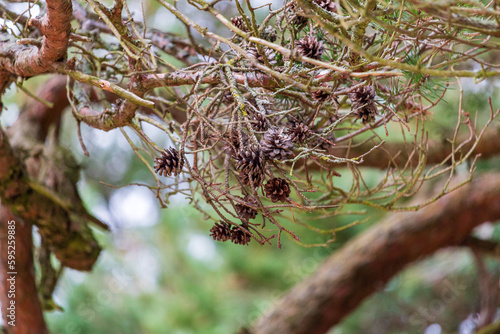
(371,259)
(71,241)
(28,312)
(29,60)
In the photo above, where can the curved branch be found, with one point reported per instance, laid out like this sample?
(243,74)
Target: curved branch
(447,14)
(71,241)
(371,259)
(179,78)
(29,60)
(64,227)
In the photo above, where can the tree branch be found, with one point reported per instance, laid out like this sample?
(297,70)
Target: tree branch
(398,154)
(63,227)
(72,242)
(28,312)
(484,247)
(371,259)
(29,60)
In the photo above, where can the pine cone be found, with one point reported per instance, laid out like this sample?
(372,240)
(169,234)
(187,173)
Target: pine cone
(239,23)
(227,97)
(277,190)
(269,34)
(250,162)
(169,162)
(239,237)
(221,231)
(328,5)
(309,46)
(296,19)
(270,55)
(259,122)
(245,179)
(246,212)
(322,143)
(363,103)
(298,132)
(275,144)
(321,95)
(234,141)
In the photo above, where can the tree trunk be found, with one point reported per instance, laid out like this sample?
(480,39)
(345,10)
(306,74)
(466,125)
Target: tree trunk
(18,282)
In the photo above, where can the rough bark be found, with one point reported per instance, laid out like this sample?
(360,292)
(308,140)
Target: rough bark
(64,227)
(29,60)
(65,231)
(28,312)
(371,259)
(72,242)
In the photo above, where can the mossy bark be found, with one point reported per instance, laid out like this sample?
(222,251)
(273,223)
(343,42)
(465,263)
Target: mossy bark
(71,241)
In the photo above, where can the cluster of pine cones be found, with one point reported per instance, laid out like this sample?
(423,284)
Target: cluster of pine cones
(307,46)
(363,99)
(256,146)
(223,231)
(251,158)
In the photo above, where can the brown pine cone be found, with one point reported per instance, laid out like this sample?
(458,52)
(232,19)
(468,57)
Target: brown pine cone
(246,212)
(363,103)
(295,17)
(239,237)
(321,95)
(259,122)
(277,190)
(276,144)
(311,47)
(221,231)
(239,23)
(269,53)
(250,162)
(170,162)
(328,5)
(233,140)
(245,179)
(299,132)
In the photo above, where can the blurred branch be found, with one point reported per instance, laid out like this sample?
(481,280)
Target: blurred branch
(5,12)
(105,85)
(64,227)
(486,247)
(176,46)
(72,242)
(494,328)
(488,289)
(450,14)
(180,78)
(399,154)
(372,258)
